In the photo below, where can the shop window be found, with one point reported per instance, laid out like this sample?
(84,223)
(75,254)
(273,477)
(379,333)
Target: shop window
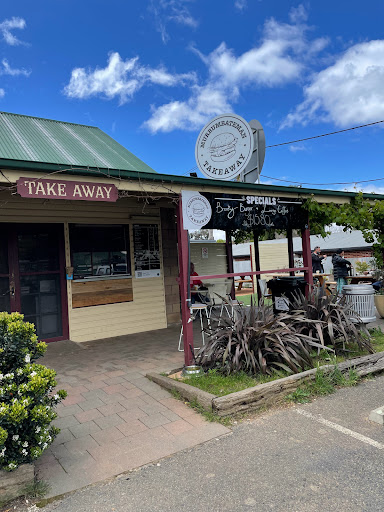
(99,251)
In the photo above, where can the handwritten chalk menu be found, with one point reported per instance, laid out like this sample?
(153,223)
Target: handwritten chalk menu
(146,250)
(255,212)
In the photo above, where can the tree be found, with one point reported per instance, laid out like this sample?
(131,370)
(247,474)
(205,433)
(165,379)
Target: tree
(200,234)
(366,215)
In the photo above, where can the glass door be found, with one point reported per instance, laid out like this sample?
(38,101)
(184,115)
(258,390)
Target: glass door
(35,280)
(5,290)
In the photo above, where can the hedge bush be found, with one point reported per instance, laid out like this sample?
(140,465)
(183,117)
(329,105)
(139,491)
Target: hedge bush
(26,394)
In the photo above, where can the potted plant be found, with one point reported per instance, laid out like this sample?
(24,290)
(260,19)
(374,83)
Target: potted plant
(362,268)
(379,302)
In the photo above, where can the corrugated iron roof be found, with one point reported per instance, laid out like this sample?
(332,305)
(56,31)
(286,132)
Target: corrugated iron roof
(33,139)
(347,240)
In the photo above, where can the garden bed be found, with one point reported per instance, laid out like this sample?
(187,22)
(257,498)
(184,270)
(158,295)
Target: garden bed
(268,393)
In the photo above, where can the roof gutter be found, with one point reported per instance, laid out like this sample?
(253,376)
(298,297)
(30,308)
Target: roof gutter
(175,179)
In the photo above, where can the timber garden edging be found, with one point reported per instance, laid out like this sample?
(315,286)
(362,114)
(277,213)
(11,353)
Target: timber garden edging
(14,483)
(252,399)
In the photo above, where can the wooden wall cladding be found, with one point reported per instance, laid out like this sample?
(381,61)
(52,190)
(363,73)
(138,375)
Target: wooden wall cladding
(95,293)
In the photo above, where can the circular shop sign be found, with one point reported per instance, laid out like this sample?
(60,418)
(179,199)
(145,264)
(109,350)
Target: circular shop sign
(198,211)
(224,147)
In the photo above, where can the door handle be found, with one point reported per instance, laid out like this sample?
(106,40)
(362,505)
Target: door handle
(11,288)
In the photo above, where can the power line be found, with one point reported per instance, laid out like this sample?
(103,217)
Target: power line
(310,138)
(335,183)
(325,134)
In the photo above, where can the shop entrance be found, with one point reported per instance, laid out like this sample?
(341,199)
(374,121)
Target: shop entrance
(32,278)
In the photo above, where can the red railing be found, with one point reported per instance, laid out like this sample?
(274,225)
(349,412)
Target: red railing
(251,273)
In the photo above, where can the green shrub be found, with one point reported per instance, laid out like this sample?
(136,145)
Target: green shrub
(26,394)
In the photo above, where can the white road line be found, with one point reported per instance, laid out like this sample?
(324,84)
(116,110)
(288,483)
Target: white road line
(339,428)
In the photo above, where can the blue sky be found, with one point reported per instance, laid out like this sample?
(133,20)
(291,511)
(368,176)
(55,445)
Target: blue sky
(152,73)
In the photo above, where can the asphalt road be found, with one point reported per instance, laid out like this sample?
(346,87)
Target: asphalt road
(322,456)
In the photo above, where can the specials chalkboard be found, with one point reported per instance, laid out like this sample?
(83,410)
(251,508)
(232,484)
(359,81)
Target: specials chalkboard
(255,213)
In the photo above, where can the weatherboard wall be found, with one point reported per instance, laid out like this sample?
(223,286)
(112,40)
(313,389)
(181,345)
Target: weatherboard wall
(147,311)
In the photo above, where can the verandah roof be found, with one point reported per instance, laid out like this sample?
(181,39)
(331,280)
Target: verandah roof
(33,140)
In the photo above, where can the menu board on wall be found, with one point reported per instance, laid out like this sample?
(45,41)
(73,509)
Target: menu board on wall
(146,250)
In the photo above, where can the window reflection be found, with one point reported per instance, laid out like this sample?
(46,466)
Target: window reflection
(99,250)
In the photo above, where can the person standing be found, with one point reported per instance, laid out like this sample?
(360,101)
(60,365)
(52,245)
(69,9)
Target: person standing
(341,268)
(317,265)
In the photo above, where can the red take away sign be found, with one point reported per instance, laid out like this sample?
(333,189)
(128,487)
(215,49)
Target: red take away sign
(72,190)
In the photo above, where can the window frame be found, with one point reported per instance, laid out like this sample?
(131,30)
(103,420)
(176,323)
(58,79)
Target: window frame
(126,228)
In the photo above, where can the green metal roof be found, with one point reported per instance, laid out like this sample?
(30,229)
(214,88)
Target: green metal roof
(32,139)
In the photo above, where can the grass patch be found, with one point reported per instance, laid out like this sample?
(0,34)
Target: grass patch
(220,385)
(324,384)
(246,299)
(37,489)
(377,339)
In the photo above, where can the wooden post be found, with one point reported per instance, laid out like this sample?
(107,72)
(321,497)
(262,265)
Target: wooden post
(307,257)
(229,252)
(184,286)
(257,264)
(291,261)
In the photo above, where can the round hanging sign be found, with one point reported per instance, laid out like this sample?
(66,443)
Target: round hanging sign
(224,147)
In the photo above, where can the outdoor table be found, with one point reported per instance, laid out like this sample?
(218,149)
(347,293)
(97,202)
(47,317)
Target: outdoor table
(321,277)
(240,282)
(357,279)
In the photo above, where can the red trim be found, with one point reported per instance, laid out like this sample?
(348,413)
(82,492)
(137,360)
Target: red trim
(238,274)
(182,238)
(14,273)
(228,248)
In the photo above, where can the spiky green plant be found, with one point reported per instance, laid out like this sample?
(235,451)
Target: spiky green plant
(328,319)
(256,341)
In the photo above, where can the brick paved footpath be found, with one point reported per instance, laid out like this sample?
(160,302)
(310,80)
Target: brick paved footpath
(114,419)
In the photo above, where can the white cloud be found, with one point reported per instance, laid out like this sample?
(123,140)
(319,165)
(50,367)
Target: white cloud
(241,4)
(2,93)
(297,147)
(7,70)
(190,115)
(280,58)
(348,92)
(298,14)
(120,78)
(166,11)
(6,28)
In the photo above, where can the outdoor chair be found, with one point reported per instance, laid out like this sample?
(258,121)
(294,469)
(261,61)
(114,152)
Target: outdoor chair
(197,309)
(264,289)
(228,303)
